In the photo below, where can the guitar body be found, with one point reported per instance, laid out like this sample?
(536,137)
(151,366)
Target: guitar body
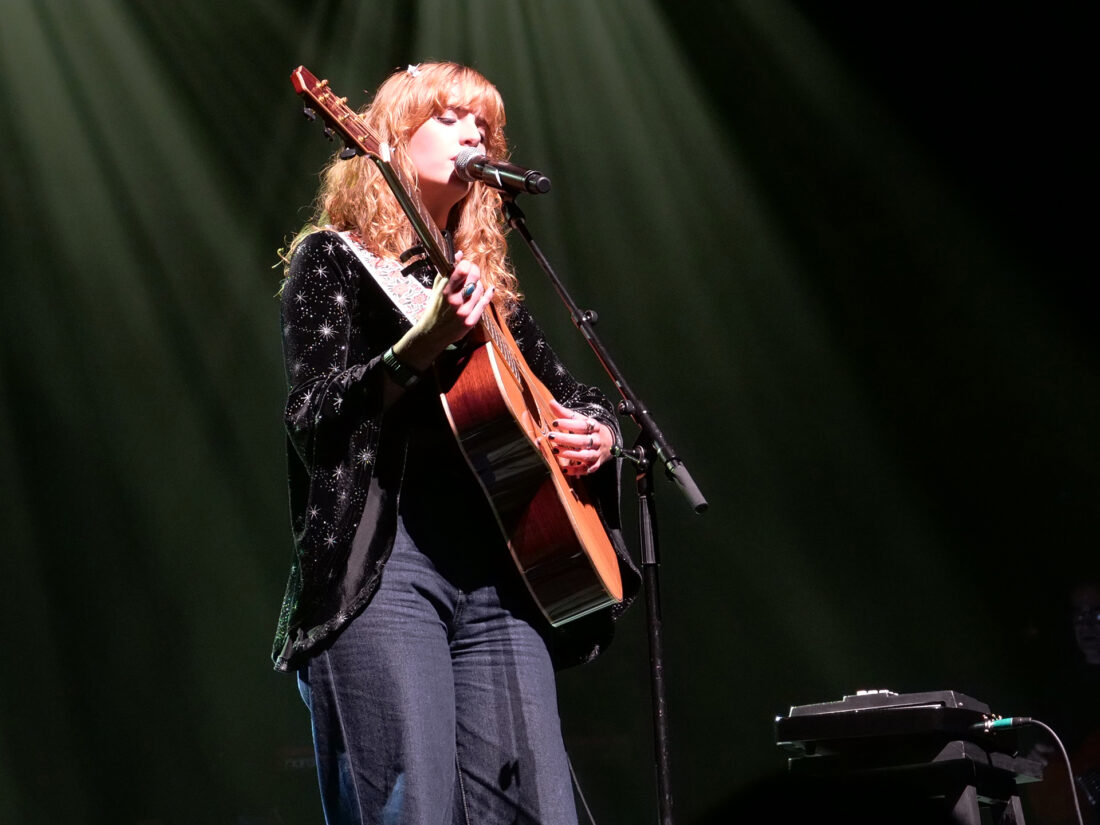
(548,519)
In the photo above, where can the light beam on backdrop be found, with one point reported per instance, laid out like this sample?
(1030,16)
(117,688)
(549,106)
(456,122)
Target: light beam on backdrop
(139,352)
(704,201)
(598,90)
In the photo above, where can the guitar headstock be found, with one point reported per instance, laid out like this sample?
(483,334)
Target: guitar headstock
(339,119)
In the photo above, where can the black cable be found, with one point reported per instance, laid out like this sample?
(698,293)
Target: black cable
(995,724)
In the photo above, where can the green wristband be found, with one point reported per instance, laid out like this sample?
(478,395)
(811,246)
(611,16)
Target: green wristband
(402,374)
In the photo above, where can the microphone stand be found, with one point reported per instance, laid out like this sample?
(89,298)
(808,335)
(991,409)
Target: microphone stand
(650,450)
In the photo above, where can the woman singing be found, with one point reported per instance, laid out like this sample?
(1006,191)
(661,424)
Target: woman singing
(427,666)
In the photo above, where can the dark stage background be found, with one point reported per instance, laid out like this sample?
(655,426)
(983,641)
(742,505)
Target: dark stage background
(842,255)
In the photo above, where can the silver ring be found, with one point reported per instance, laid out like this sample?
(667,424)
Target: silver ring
(591,426)
(469,290)
(591,442)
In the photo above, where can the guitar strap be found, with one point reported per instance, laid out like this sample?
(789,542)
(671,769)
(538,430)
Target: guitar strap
(406,292)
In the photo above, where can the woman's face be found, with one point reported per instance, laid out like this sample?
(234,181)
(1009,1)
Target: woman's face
(433,148)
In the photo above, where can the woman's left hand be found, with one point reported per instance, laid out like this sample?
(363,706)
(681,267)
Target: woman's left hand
(581,444)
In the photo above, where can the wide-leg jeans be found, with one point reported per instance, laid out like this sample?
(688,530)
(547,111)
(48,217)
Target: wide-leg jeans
(437,704)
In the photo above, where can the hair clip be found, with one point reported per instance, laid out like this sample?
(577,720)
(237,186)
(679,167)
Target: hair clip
(413,70)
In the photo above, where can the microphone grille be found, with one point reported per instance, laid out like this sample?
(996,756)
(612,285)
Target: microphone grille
(462,160)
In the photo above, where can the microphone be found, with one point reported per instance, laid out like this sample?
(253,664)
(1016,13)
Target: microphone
(471,165)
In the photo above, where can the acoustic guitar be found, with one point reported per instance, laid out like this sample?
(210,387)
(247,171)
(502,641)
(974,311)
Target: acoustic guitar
(499,412)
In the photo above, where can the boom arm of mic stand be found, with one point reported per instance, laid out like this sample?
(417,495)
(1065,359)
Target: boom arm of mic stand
(631,405)
(674,467)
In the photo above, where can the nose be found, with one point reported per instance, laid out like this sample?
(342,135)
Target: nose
(471,135)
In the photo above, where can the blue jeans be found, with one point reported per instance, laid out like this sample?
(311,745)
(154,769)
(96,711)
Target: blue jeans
(437,704)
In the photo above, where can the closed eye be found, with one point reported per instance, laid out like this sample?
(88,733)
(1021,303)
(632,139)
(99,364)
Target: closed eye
(450,117)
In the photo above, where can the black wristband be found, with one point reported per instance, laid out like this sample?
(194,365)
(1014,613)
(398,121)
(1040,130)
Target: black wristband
(402,374)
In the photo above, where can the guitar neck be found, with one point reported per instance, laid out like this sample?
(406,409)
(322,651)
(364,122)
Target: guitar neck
(425,230)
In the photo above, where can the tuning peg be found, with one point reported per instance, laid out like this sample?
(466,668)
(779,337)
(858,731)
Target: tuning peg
(309,113)
(348,152)
(327,131)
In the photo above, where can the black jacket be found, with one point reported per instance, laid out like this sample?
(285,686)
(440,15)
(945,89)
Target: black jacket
(345,456)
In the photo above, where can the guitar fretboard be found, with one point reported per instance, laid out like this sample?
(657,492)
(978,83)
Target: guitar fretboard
(507,354)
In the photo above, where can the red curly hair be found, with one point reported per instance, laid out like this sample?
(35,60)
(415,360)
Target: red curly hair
(355,197)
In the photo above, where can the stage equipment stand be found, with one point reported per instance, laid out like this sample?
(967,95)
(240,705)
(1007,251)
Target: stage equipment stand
(939,745)
(651,449)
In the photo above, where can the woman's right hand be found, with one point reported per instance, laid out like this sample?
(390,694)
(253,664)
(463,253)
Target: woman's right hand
(455,308)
